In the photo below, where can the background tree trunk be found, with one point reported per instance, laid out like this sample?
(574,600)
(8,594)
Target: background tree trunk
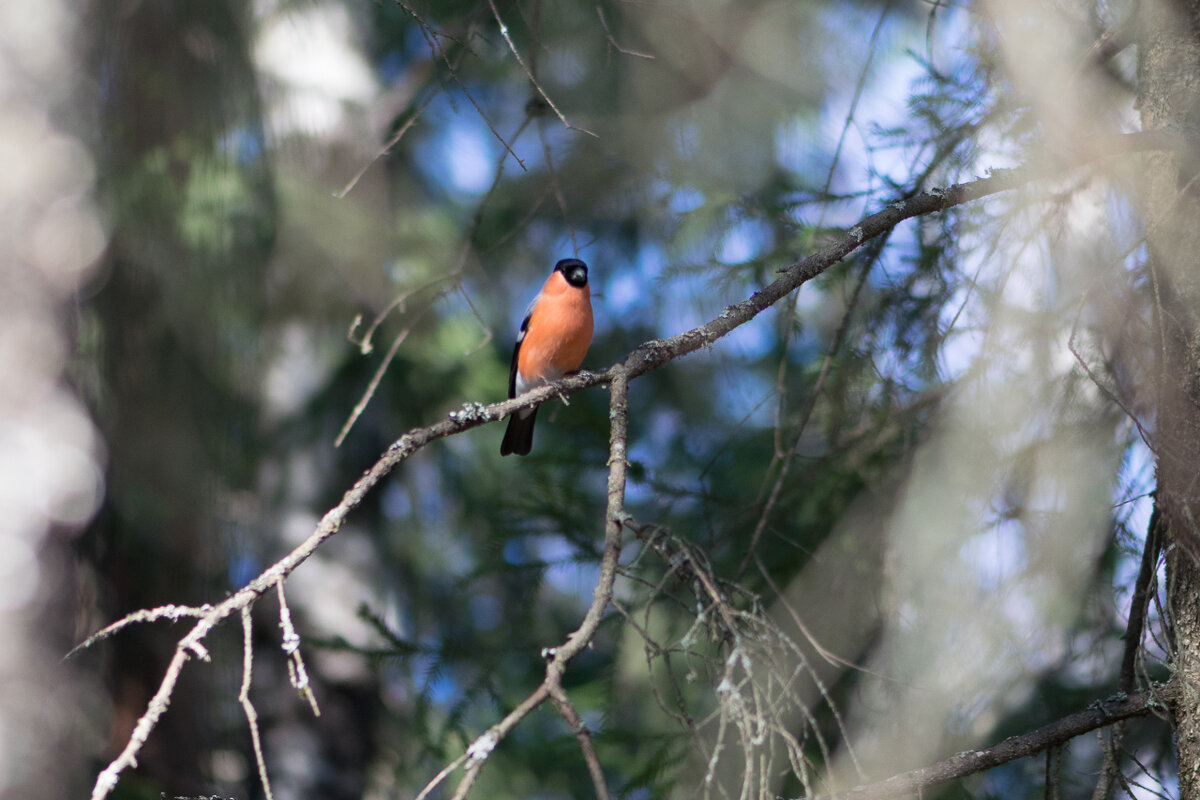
(1169,98)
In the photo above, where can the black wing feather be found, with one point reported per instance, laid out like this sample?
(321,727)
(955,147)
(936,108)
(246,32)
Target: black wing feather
(512,372)
(518,436)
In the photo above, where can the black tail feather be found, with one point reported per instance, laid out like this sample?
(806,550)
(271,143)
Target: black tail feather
(518,438)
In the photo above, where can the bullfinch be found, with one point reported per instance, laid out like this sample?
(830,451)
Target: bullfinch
(552,342)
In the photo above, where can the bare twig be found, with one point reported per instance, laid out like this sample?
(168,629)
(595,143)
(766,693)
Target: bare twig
(291,648)
(1104,390)
(612,41)
(829,656)
(171,612)
(429,34)
(383,151)
(614,521)
(482,747)
(366,344)
(556,187)
(756,691)
(191,645)
(380,371)
(529,73)
(789,315)
(785,461)
(452,67)
(244,699)
(455,277)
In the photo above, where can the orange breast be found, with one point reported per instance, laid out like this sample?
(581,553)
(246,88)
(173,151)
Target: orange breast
(559,332)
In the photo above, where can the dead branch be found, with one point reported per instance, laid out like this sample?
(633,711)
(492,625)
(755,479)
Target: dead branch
(1100,714)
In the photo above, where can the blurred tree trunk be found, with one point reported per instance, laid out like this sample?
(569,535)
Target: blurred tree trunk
(177,81)
(1169,99)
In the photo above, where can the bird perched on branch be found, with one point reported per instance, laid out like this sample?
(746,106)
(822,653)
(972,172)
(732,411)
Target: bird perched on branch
(552,342)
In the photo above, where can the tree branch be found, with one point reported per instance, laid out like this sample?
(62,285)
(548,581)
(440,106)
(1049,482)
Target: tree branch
(551,686)
(647,357)
(1098,715)
(558,696)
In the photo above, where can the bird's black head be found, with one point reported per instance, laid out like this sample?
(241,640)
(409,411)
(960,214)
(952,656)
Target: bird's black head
(574,270)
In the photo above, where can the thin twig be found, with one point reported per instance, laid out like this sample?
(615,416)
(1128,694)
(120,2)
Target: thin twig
(1053,771)
(172,612)
(247,706)
(383,151)
(529,73)
(408,123)
(556,187)
(366,342)
(192,644)
(609,35)
(482,747)
(829,656)
(1115,39)
(834,347)
(428,32)
(789,315)
(362,403)
(1104,390)
(291,649)
(744,631)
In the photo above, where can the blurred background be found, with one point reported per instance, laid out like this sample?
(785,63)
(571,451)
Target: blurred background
(919,481)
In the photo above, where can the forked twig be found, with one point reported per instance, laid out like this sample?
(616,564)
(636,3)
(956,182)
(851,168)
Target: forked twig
(529,73)
(608,34)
